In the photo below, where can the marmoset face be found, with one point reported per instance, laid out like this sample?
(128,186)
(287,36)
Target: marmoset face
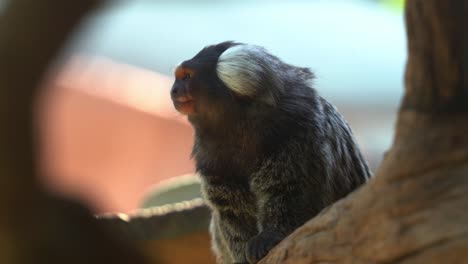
(221,77)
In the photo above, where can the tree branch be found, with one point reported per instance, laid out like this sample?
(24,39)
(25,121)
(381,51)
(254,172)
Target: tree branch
(437,69)
(414,209)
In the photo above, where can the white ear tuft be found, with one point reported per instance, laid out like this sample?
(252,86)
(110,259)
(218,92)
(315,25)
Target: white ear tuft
(239,70)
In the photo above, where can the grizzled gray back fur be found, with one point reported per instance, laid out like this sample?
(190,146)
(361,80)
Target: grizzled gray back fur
(272,154)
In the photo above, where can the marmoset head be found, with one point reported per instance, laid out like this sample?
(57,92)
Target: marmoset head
(230,77)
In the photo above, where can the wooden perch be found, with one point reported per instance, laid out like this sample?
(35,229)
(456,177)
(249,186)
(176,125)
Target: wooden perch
(175,233)
(415,209)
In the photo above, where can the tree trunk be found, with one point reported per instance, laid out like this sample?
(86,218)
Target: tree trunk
(415,209)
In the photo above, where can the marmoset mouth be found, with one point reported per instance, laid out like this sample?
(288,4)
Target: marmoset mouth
(182,99)
(185,106)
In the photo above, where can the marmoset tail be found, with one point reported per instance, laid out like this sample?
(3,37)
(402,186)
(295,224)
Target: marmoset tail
(271,152)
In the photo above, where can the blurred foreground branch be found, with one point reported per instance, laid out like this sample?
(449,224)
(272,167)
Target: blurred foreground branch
(34,227)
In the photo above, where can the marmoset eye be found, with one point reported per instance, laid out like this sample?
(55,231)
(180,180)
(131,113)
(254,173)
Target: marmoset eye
(187,76)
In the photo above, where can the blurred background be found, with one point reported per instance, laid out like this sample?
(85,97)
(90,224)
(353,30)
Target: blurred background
(108,131)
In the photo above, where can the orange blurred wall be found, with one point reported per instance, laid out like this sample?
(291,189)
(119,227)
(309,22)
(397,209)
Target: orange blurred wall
(108,132)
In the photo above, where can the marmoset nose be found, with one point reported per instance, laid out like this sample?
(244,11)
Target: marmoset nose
(180,94)
(176,91)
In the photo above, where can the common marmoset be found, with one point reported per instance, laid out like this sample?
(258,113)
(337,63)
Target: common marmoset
(271,152)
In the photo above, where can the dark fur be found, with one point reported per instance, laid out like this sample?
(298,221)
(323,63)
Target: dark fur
(267,168)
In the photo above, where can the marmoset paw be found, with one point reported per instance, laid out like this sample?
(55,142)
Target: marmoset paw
(259,246)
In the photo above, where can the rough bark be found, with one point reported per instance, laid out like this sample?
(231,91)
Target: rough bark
(436,75)
(35,227)
(414,210)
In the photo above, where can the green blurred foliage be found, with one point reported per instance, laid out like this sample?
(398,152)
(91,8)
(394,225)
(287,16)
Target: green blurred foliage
(394,4)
